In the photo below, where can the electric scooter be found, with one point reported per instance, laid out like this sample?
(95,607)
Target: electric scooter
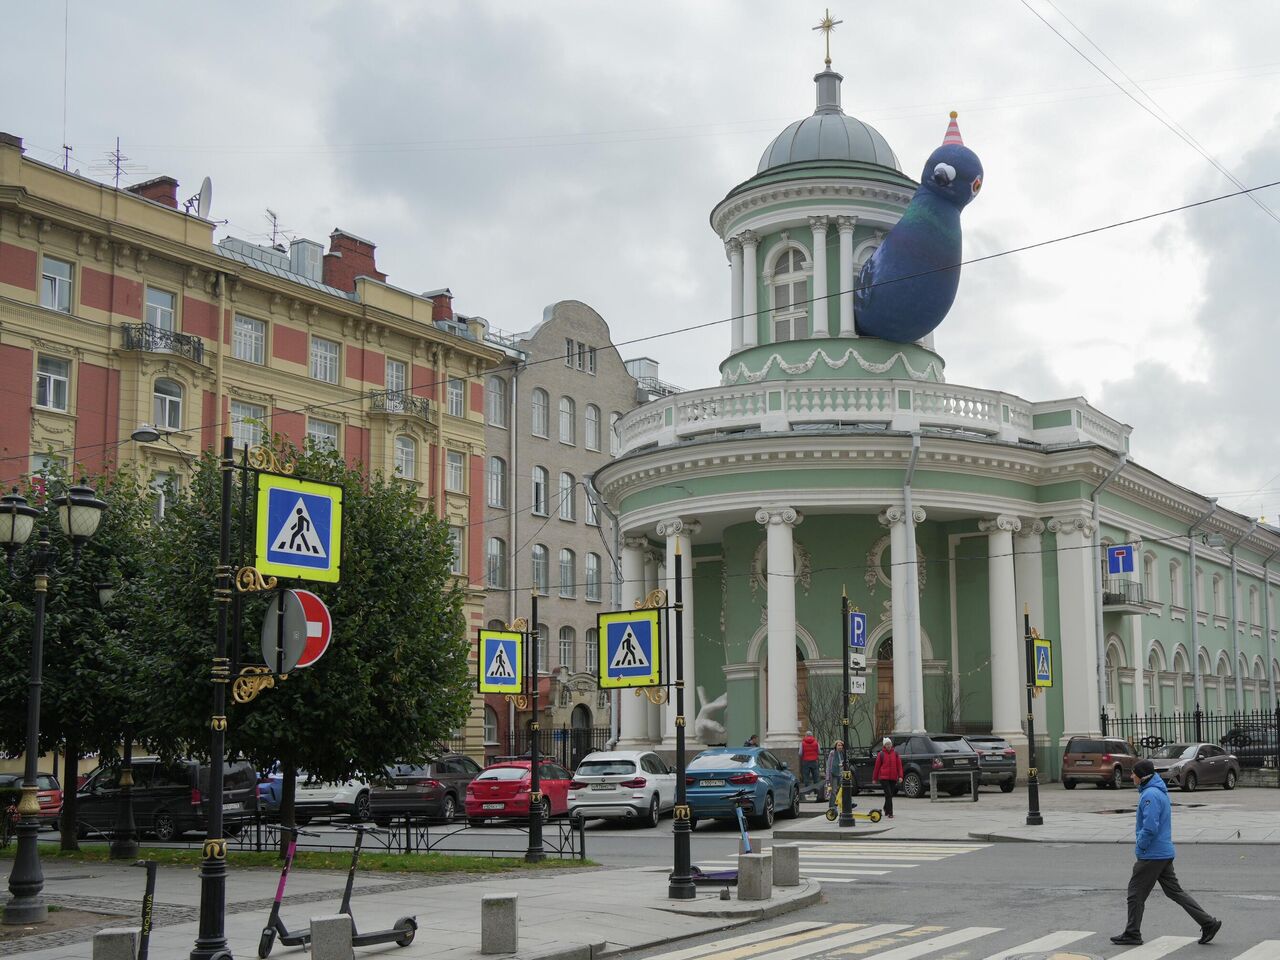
(275,926)
(404,930)
(833,809)
(148,906)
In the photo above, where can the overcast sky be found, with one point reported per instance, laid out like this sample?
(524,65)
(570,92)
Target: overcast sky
(527,151)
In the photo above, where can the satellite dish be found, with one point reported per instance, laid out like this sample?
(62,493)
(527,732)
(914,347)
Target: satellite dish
(204,198)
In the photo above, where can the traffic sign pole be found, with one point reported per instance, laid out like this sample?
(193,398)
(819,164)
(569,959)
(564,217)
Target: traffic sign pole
(680,885)
(535,853)
(846,771)
(1033,775)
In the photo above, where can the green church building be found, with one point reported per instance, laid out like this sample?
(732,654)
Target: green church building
(826,462)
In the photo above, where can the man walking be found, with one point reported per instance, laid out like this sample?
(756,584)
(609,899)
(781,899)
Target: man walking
(888,772)
(809,753)
(1154,848)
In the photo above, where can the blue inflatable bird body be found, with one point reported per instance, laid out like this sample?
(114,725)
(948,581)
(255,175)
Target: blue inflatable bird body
(907,286)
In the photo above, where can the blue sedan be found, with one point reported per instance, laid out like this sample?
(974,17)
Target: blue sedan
(715,777)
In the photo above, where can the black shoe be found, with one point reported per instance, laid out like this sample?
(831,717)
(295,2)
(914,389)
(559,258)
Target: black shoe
(1210,930)
(1127,941)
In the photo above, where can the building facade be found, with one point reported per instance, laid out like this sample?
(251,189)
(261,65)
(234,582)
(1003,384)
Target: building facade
(550,416)
(827,462)
(118,309)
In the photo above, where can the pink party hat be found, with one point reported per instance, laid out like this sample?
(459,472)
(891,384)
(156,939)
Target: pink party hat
(953,132)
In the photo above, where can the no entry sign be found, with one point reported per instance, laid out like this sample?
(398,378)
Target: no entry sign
(319,627)
(295,631)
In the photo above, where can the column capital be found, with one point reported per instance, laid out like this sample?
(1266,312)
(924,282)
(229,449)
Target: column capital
(846,224)
(677,526)
(819,224)
(733,245)
(748,238)
(789,516)
(1031,527)
(1003,523)
(894,515)
(635,542)
(1071,525)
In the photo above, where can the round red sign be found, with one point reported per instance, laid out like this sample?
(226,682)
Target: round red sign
(319,627)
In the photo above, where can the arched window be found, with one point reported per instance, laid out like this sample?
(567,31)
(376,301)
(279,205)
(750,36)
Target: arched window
(590,651)
(541,568)
(615,439)
(567,638)
(593,576)
(791,296)
(168,404)
(406,464)
(496,402)
(540,423)
(1153,683)
(591,417)
(568,568)
(490,725)
(497,482)
(541,480)
(495,556)
(567,420)
(1113,679)
(567,496)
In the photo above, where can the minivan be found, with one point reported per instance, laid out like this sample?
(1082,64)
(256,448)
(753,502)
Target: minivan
(1106,761)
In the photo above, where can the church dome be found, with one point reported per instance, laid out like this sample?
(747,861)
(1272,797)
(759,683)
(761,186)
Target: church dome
(829,134)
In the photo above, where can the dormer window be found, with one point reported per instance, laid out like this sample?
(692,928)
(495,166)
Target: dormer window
(791,296)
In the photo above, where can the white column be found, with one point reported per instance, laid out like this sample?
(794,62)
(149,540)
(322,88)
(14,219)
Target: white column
(679,532)
(818,308)
(1028,575)
(654,577)
(633,718)
(1139,665)
(845,225)
(750,281)
(735,291)
(1007,685)
(1076,648)
(908,662)
(781,722)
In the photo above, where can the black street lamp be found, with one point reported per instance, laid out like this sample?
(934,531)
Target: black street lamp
(846,770)
(680,884)
(1034,819)
(79,512)
(535,853)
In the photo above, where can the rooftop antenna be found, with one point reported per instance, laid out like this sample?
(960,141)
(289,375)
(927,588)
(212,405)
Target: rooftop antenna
(118,165)
(66,37)
(275,225)
(201,200)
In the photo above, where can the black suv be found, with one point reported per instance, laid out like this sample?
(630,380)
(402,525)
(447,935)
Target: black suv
(946,754)
(997,760)
(169,798)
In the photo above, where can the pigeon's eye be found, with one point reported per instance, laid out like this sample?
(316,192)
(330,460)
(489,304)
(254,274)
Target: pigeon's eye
(944,174)
(977,185)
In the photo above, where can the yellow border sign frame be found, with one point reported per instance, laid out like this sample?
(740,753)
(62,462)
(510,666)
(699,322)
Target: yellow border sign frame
(262,535)
(481,636)
(1047,645)
(651,679)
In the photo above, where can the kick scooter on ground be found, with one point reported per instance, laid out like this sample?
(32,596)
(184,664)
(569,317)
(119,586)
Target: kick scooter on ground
(148,906)
(405,928)
(275,926)
(833,809)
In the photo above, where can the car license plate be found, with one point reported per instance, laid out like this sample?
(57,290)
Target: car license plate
(709,783)
(399,786)
(312,786)
(232,806)
(602,786)
(1084,763)
(494,806)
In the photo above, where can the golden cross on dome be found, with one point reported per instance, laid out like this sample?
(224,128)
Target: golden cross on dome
(826,25)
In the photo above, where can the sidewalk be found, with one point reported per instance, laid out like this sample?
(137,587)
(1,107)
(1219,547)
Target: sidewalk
(567,915)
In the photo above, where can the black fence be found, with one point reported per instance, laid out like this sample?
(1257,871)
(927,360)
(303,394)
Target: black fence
(1254,737)
(565,745)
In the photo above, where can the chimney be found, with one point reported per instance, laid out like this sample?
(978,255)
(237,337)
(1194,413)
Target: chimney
(161,190)
(442,306)
(9,140)
(349,257)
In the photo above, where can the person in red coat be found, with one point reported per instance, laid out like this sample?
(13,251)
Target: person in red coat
(888,773)
(810,751)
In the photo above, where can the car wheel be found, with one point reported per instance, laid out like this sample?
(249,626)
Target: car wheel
(163,827)
(1230,782)
(448,808)
(1068,783)
(1189,783)
(765,820)
(655,813)
(1006,786)
(912,786)
(793,812)
(364,807)
(1117,778)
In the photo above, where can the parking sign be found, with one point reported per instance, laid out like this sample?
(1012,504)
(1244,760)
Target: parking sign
(857,630)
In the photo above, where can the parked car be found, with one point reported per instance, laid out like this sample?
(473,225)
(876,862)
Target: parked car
(48,792)
(1252,746)
(716,776)
(631,784)
(1106,761)
(946,754)
(997,760)
(502,791)
(432,790)
(1189,765)
(169,798)
(316,798)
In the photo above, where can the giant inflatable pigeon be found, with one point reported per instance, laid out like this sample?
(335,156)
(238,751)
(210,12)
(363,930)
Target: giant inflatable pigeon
(923,246)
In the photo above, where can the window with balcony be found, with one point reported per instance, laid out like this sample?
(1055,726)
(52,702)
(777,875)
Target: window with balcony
(397,380)
(568,568)
(455,549)
(567,638)
(540,558)
(567,498)
(495,557)
(322,434)
(591,419)
(455,473)
(53,383)
(790,296)
(455,393)
(593,576)
(567,420)
(167,404)
(496,402)
(540,421)
(247,420)
(541,483)
(55,284)
(497,482)
(324,360)
(161,311)
(249,340)
(406,458)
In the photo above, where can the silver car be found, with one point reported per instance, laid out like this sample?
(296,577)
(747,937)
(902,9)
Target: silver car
(1191,765)
(635,785)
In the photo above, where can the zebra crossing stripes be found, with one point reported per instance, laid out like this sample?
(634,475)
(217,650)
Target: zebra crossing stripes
(846,862)
(1049,942)
(1155,949)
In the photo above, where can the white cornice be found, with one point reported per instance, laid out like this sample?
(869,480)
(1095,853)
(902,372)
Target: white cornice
(829,197)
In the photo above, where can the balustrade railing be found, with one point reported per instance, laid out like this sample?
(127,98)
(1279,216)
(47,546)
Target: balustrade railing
(401,401)
(145,337)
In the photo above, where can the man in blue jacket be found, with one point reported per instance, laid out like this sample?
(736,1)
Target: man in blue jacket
(1154,848)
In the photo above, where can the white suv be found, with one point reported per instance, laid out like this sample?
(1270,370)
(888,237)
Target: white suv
(629,784)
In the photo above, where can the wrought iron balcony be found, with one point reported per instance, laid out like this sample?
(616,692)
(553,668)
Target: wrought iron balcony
(1122,594)
(401,401)
(143,336)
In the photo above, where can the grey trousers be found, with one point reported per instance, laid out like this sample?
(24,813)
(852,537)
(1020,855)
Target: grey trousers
(1146,874)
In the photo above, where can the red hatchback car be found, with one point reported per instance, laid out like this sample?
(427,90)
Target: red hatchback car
(48,792)
(502,790)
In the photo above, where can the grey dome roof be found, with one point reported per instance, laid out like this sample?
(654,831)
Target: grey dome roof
(829,134)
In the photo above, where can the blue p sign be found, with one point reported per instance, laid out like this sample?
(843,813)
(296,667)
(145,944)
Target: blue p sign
(857,631)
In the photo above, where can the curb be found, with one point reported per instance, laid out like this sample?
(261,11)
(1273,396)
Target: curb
(766,910)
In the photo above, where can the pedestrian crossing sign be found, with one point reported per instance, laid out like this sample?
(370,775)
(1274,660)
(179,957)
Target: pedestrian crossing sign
(630,644)
(501,661)
(299,528)
(1043,662)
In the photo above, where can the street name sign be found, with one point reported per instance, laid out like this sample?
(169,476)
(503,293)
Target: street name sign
(1043,662)
(857,630)
(299,529)
(501,661)
(630,648)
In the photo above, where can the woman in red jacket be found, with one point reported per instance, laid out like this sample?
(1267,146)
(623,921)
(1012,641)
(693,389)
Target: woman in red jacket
(888,772)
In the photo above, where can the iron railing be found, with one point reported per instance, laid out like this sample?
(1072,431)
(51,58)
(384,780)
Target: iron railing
(401,401)
(566,746)
(145,337)
(1117,592)
(1253,736)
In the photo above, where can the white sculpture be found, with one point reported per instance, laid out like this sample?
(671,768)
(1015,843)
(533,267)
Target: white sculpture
(705,728)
